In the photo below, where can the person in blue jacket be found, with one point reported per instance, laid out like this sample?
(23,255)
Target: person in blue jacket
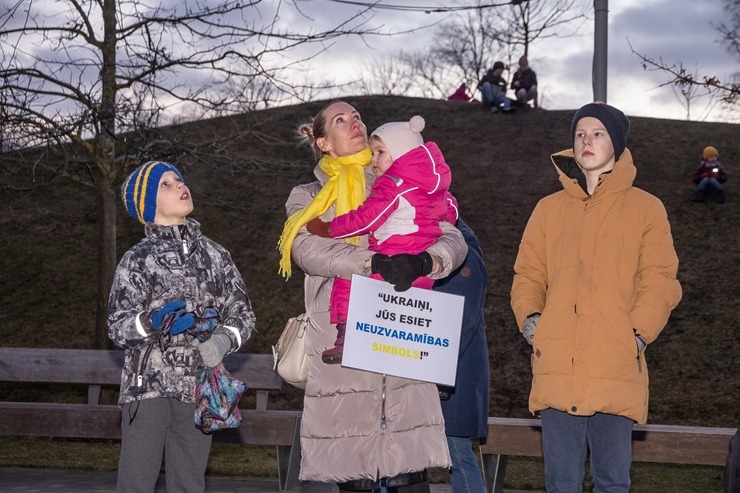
(465,406)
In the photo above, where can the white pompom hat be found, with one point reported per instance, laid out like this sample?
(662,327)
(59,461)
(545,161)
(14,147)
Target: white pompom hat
(401,137)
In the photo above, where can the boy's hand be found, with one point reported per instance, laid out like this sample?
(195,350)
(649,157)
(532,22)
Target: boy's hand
(182,322)
(213,350)
(529,327)
(174,316)
(641,344)
(318,227)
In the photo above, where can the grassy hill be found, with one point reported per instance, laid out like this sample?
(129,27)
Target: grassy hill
(500,167)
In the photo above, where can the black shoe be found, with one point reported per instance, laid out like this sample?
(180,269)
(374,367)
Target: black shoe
(510,111)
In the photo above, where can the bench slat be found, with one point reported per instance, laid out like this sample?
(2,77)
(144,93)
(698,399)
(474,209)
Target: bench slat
(513,436)
(681,445)
(60,420)
(104,422)
(86,366)
(263,428)
(103,367)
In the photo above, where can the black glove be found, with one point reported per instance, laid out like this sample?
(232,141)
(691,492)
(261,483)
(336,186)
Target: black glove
(401,270)
(445,392)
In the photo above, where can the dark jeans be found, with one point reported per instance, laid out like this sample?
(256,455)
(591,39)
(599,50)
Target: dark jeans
(565,439)
(709,182)
(707,185)
(465,474)
(494,100)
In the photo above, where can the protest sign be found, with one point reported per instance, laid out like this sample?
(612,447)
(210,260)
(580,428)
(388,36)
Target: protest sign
(413,334)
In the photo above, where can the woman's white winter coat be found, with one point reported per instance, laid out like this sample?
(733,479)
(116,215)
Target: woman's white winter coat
(343,434)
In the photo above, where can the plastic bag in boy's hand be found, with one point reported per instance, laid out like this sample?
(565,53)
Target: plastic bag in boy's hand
(217,395)
(318,227)
(403,269)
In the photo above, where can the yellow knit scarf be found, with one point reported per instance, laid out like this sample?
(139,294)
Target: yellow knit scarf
(345,186)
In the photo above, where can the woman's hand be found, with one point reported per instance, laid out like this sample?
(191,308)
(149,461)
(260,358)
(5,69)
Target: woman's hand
(403,269)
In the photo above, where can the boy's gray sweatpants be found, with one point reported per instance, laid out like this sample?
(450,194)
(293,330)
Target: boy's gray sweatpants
(162,425)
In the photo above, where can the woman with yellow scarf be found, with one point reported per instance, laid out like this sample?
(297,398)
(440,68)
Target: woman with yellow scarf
(361,430)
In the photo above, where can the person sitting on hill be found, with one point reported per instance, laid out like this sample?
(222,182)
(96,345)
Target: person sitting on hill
(524,83)
(493,89)
(710,174)
(460,94)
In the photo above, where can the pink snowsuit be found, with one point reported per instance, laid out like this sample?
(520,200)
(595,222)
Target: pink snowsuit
(401,214)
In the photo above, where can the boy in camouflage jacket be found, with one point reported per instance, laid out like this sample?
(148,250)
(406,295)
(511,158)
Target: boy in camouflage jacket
(173,285)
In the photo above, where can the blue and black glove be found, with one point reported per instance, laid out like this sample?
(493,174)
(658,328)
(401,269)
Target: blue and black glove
(403,269)
(172,316)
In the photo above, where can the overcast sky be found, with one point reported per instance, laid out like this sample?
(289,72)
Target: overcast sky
(674,30)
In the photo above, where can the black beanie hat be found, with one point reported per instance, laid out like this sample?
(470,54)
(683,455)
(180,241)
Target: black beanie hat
(616,123)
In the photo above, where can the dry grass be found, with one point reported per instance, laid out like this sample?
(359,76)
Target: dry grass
(500,169)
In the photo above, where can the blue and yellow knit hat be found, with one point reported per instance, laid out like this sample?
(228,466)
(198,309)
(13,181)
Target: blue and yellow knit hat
(139,191)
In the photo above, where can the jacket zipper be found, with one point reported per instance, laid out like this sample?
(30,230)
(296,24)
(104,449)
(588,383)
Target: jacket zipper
(142,368)
(140,389)
(183,232)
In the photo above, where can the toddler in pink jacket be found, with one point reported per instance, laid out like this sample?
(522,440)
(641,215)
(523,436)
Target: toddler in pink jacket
(408,200)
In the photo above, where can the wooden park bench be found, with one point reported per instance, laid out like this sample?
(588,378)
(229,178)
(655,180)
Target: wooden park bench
(650,443)
(102,368)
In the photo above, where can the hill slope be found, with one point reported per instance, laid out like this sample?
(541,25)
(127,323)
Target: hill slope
(500,169)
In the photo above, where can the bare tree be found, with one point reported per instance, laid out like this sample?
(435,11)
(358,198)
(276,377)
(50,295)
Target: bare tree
(730,30)
(693,84)
(77,75)
(532,21)
(469,43)
(690,95)
(385,77)
(432,79)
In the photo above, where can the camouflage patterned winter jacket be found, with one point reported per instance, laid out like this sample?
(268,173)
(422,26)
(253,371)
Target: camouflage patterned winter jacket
(169,266)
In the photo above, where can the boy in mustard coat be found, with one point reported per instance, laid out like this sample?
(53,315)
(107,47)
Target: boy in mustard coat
(594,284)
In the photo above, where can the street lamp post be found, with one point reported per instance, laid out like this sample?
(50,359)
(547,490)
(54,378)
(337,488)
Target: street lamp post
(601,44)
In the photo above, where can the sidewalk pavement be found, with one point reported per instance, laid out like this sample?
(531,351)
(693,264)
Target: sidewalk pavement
(19,479)
(27,480)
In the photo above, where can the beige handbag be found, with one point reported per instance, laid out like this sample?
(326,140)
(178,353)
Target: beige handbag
(289,352)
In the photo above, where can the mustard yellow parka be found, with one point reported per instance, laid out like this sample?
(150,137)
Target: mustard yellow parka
(599,269)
